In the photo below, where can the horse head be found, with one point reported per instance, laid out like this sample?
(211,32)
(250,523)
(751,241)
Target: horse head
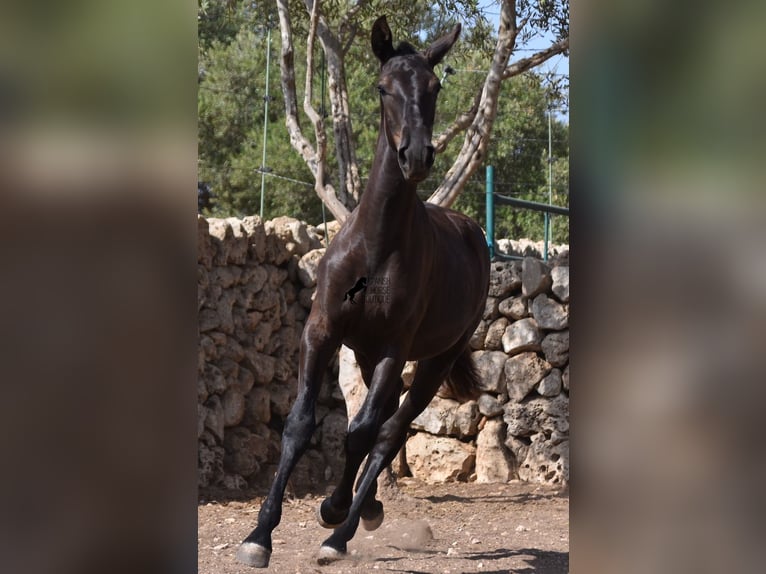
(408,89)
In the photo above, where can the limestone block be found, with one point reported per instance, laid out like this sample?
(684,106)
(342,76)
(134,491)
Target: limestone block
(550,386)
(549,313)
(307,267)
(522,373)
(439,459)
(535,277)
(233,403)
(504,279)
(560,286)
(494,461)
(490,366)
(538,415)
(489,405)
(494,339)
(555,347)
(522,335)
(513,308)
(214,421)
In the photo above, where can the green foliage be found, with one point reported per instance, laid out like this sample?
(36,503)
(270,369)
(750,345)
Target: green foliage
(232,76)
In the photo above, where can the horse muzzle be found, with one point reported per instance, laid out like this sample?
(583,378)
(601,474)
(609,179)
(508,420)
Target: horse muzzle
(416,160)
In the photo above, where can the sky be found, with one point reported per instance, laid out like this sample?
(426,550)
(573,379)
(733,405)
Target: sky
(558,64)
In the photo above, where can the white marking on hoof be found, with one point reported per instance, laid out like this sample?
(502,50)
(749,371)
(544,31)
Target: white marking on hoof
(253,554)
(373,524)
(328,555)
(321,521)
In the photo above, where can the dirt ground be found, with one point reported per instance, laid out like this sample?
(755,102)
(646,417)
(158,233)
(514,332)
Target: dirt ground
(447,528)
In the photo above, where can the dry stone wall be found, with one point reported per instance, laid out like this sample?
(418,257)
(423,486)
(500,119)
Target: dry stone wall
(255,283)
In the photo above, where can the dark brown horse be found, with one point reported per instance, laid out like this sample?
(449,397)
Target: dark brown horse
(403,280)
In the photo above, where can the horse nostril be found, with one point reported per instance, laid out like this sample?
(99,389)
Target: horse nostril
(403,155)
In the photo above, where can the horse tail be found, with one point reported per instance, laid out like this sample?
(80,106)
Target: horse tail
(463,381)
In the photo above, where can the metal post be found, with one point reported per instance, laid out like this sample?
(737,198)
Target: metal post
(550,187)
(265,116)
(490,201)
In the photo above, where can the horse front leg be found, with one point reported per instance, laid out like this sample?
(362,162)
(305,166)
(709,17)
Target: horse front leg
(317,348)
(389,440)
(359,440)
(382,399)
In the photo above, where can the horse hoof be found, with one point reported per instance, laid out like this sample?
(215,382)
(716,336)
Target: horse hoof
(253,554)
(323,523)
(328,555)
(373,523)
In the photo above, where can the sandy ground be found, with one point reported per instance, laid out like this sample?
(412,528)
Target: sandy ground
(448,528)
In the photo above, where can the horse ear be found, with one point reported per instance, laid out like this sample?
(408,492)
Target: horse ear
(381,38)
(436,51)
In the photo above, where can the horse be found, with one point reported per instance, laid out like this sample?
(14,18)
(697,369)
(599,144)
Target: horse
(420,274)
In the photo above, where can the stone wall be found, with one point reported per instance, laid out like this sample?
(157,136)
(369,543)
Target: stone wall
(255,282)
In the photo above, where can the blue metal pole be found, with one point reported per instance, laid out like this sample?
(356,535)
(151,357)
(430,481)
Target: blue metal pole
(490,201)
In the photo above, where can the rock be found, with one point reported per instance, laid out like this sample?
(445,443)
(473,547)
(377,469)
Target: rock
(202,393)
(540,460)
(408,373)
(479,335)
(239,457)
(233,403)
(201,416)
(514,308)
(214,421)
(538,415)
(448,417)
(555,346)
(535,277)
(306,297)
(292,233)
(257,406)
(205,250)
(565,378)
(503,278)
(334,427)
(560,286)
(549,313)
(307,267)
(494,462)
(261,365)
(438,417)
(350,381)
(281,399)
(256,237)
(494,339)
(490,308)
(207,320)
(215,381)
(439,459)
(245,380)
(489,406)
(490,366)
(550,386)
(522,335)
(210,460)
(522,373)
(467,419)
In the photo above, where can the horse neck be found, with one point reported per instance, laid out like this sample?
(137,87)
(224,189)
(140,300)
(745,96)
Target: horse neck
(389,203)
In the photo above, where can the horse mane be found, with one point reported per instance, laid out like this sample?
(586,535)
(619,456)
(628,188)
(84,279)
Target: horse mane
(405,48)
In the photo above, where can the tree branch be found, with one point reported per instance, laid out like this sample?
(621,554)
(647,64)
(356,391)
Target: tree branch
(478,133)
(458,126)
(525,64)
(314,158)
